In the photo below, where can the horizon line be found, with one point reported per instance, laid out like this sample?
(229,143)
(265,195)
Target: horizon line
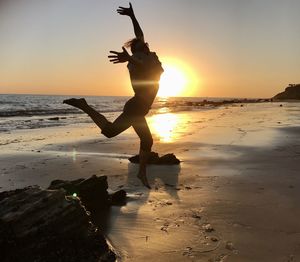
(225,97)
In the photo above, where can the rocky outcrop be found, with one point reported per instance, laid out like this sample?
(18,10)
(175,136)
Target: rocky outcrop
(292,92)
(46,225)
(53,224)
(92,192)
(154,159)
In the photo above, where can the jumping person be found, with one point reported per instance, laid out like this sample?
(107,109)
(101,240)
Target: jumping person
(145,70)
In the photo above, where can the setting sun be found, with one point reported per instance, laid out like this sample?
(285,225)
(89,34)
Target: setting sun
(172,81)
(177,79)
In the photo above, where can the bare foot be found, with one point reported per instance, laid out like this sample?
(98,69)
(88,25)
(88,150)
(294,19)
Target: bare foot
(144,180)
(76,102)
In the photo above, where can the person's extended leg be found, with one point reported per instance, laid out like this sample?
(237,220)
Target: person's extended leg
(141,128)
(99,119)
(109,129)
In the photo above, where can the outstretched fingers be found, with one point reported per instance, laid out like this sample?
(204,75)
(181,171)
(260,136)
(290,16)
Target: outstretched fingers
(121,9)
(114,58)
(125,10)
(119,57)
(115,52)
(115,61)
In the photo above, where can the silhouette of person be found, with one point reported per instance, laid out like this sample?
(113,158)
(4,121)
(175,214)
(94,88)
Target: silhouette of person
(145,70)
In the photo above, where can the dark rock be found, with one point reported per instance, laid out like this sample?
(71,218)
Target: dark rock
(92,191)
(54,118)
(118,198)
(292,92)
(154,159)
(168,159)
(134,159)
(45,226)
(69,186)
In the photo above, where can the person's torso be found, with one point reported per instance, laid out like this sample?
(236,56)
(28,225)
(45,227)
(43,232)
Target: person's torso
(145,77)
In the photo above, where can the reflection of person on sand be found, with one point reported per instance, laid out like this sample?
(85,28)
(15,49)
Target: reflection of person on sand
(145,70)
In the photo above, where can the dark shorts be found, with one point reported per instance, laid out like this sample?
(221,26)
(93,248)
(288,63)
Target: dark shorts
(133,115)
(136,107)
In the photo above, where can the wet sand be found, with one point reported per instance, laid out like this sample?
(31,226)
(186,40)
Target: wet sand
(234,197)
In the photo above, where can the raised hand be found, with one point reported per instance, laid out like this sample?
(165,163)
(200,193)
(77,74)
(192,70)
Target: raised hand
(119,57)
(126,10)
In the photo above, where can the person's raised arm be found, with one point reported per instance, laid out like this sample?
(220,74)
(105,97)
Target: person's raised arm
(136,26)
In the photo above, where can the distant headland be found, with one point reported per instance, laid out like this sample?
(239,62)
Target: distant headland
(292,92)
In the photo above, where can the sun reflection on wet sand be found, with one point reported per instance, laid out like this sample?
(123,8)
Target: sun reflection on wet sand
(165,126)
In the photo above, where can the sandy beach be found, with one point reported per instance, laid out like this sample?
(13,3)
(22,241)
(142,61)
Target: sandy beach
(234,197)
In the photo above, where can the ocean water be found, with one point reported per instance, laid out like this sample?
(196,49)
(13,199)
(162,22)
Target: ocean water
(40,111)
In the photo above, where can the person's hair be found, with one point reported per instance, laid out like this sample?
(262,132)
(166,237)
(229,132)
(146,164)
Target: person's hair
(132,44)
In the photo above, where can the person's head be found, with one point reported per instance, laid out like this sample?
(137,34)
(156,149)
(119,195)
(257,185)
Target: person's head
(137,45)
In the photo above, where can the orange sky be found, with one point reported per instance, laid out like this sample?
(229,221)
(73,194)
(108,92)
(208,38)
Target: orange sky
(230,48)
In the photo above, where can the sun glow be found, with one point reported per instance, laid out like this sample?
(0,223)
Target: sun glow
(177,79)
(164,126)
(172,81)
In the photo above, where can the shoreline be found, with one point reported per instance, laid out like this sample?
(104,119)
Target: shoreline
(13,116)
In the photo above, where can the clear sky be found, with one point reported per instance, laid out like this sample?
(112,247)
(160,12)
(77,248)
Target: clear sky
(232,48)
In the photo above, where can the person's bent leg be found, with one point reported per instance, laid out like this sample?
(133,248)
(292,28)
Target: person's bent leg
(123,122)
(141,128)
(99,119)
